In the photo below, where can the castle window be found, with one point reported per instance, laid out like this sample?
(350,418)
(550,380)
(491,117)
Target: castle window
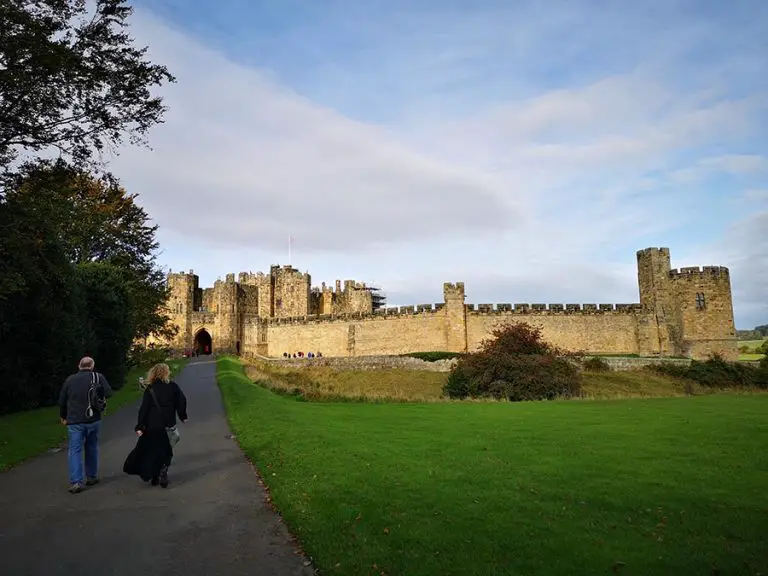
(701,302)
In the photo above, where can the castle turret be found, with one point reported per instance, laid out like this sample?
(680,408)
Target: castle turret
(662,335)
(290,292)
(183,288)
(227,306)
(705,307)
(689,311)
(455,317)
(354,299)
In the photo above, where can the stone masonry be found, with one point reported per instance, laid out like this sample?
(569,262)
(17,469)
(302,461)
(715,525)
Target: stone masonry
(681,313)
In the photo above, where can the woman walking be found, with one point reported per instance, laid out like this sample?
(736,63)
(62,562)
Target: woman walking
(163,399)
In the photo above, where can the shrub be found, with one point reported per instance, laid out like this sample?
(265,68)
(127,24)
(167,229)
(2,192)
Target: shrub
(716,372)
(761,379)
(516,364)
(595,364)
(433,356)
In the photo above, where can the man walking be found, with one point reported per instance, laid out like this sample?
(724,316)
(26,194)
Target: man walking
(81,403)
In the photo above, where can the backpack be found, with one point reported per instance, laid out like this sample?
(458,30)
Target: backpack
(96,399)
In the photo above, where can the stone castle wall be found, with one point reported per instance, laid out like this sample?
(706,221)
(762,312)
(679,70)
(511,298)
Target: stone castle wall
(610,330)
(687,312)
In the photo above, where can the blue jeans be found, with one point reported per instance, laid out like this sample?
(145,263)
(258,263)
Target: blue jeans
(79,435)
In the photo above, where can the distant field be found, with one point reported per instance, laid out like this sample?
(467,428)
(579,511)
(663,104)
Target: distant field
(27,434)
(323,383)
(631,487)
(753,345)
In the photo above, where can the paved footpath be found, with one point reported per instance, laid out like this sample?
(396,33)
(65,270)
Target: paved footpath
(212,519)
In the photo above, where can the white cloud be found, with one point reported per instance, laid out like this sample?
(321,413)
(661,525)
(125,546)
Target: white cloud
(553,193)
(242,159)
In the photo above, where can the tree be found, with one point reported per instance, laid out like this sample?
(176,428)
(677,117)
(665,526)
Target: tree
(96,220)
(72,81)
(41,329)
(108,318)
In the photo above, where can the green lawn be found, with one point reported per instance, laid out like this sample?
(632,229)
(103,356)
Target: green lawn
(27,434)
(657,486)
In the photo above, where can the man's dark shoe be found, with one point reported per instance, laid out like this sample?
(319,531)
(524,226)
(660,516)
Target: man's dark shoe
(155,480)
(91,481)
(75,488)
(164,477)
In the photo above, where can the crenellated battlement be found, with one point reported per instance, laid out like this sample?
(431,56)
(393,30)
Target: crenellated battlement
(453,291)
(707,271)
(555,308)
(172,274)
(287,269)
(392,312)
(479,309)
(251,278)
(647,252)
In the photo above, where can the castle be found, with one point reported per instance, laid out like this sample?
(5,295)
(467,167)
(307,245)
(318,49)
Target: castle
(686,312)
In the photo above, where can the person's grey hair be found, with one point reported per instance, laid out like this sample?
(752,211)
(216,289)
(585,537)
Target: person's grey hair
(86,363)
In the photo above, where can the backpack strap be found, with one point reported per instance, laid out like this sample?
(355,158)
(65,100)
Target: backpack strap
(157,404)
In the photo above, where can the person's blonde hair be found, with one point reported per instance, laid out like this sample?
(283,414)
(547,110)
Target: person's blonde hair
(158,372)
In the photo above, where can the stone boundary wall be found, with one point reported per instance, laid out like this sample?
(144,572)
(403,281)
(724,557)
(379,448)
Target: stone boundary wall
(367,363)
(616,363)
(624,363)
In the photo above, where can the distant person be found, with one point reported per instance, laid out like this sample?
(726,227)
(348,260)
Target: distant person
(82,401)
(163,399)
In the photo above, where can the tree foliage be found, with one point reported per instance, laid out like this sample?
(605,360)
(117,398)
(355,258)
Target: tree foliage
(72,80)
(98,221)
(107,318)
(77,277)
(77,253)
(515,364)
(40,310)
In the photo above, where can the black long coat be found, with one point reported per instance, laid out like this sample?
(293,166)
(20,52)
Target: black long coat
(153,450)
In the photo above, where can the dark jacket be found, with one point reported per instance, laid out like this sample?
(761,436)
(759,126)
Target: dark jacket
(172,401)
(73,399)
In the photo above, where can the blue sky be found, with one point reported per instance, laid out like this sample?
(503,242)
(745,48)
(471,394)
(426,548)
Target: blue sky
(526,148)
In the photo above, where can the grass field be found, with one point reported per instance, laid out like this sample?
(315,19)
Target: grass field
(27,434)
(753,345)
(657,486)
(323,383)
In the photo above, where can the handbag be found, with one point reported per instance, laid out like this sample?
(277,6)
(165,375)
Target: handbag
(171,431)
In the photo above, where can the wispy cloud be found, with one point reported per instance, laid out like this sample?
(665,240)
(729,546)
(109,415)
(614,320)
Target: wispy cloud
(529,150)
(737,164)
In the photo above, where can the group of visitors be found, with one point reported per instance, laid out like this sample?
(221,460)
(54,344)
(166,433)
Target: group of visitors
(302,355)
(83,401)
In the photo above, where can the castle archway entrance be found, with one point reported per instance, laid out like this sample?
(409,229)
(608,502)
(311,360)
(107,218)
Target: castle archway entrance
(203,342)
